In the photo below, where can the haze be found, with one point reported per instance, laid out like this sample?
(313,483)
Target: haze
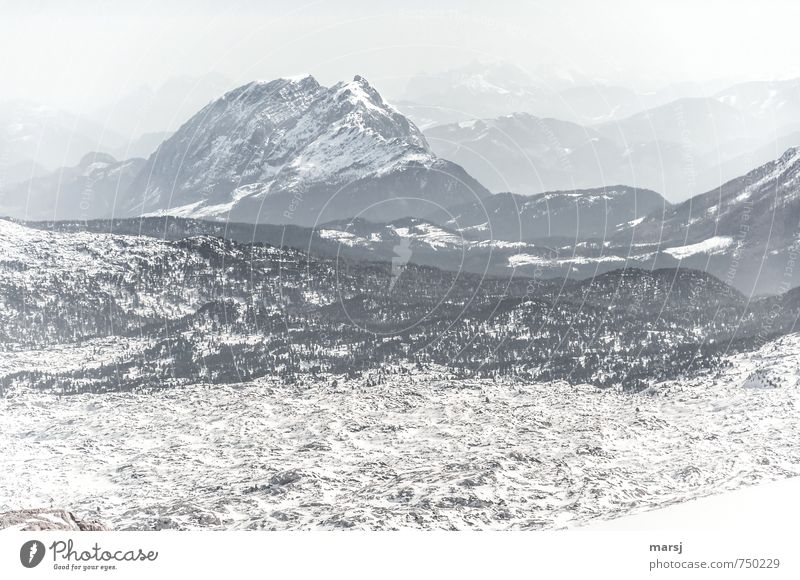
(85,55)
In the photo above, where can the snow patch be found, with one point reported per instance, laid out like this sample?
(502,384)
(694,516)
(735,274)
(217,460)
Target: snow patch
(713,245)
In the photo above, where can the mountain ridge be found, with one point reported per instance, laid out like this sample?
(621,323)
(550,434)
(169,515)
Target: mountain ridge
(285,148)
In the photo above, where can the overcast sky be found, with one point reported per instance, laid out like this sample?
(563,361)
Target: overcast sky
(80,54)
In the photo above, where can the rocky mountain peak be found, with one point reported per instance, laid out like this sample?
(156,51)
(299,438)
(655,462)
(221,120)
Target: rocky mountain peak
(288,137)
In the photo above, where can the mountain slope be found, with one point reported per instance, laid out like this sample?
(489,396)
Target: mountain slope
(747,230)
(708,125)
(567,215)
(682,148)
(49,137)
(527,154)
(492,89)
(89,190)
(776,103)
(85,311)
(293,151)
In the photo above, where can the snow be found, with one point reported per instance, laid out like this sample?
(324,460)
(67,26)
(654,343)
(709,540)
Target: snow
(633,223)
(52,259)
(710,246)
(345,238)
(289,136)
(759,507)
(523,259)
(421,450)
(502,244)
(429,234)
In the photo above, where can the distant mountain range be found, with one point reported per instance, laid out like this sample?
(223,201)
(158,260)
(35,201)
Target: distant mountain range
(525,154)
(132,312)
(85,191)
(285,151)
(33,135)
(514,132)
(293,151)
(745,233)
(360,179)
(680,149)
(491,89)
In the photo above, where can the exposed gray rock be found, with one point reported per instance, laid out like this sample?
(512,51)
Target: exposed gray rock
(44,519)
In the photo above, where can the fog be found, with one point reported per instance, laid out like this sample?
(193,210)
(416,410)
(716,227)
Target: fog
(86,55)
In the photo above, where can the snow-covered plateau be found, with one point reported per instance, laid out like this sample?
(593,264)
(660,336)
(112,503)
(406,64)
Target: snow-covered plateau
(424,452)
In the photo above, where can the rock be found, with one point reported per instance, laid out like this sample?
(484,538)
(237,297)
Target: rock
(286,477)
(43,519)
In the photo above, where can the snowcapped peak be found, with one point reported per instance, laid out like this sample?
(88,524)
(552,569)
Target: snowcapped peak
(281,88)
(360,91)
(271,139)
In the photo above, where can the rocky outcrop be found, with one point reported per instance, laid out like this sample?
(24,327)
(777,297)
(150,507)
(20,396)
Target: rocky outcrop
(48,519)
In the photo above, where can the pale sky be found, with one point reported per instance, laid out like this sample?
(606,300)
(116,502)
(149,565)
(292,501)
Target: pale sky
(81,54)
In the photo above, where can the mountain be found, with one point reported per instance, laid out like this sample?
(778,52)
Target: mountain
(527,154)
(13,173)
(674,148)
(776,103)
(679,149)
(566,215)
(97,312)
(746,231)
(88,190)
(475,90)
(144,145)
(480,90)
(293,151)
(161,109)
(48,137)
(706,124)
(591,104)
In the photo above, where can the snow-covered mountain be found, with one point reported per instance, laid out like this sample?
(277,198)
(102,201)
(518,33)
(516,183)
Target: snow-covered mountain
(745,231)
(525,154)
(679,149)
(567,215)
(294,151)
(775,103)
(86,191)
(490,89)
(162,108)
